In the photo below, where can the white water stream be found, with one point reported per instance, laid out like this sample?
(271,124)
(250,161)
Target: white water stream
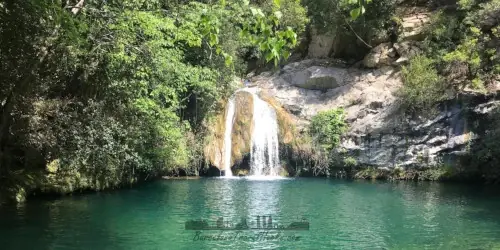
(227,138)
(264,155)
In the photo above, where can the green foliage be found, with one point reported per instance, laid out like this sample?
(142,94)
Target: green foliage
(333,14)
(422,86)
(293,14)
(117,91)
(441,34)
(351,20)
(327,128)
(350,162)
(273,43)
(360,8)
(462,43)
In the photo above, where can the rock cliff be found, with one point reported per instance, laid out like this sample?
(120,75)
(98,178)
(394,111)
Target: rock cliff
(379,135)
(241,133)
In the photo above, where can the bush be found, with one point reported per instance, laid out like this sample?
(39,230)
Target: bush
(462,43)
(294,14)
(422,86)
(327,127)
(350,162)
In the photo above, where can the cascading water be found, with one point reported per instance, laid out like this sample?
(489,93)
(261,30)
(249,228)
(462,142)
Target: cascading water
(264,158)
(227,138)
(264,154)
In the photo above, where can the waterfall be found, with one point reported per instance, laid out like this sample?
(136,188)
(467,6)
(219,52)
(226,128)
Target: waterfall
(264,154)
(227,138)
(264,158)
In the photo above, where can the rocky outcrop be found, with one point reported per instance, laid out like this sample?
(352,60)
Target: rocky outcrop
(387,53)
(241,133)
(382,55)
(314,77)
(378,134)
(214,141)
(242,127)
(406,50)
(361,92)
(413,26)
(412,142)
(321,44)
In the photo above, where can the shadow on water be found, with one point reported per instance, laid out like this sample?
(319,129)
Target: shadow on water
(481,201)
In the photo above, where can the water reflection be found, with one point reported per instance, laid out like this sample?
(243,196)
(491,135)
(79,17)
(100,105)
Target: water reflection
(342,214)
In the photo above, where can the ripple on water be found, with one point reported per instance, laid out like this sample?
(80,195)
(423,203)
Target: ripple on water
(342,215)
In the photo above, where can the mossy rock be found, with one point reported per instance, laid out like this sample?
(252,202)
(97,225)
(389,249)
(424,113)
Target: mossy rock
(241,137)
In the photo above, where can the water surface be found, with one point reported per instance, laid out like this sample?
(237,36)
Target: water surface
(341,215)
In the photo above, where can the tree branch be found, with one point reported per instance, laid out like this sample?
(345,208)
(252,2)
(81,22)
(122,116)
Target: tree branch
(75,9)
(356,34)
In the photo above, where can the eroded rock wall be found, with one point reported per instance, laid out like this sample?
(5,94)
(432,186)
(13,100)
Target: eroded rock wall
(242,128)
(240,137)
(379,134)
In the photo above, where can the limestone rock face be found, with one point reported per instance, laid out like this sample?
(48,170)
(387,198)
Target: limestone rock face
(241,136)
(378,134)
(413,26)
(383,54)
(361,91)
(321,45)
(407,143)
(314,77)
(214,142)
(407,49)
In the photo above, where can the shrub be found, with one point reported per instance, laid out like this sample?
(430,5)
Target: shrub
(294,14)
(461,43)
(442,34)
(422,86)
(327,127)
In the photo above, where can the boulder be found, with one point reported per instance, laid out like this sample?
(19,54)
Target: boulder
(383,54)
(316,78)
(407,49)
(361,92)
(401,61)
